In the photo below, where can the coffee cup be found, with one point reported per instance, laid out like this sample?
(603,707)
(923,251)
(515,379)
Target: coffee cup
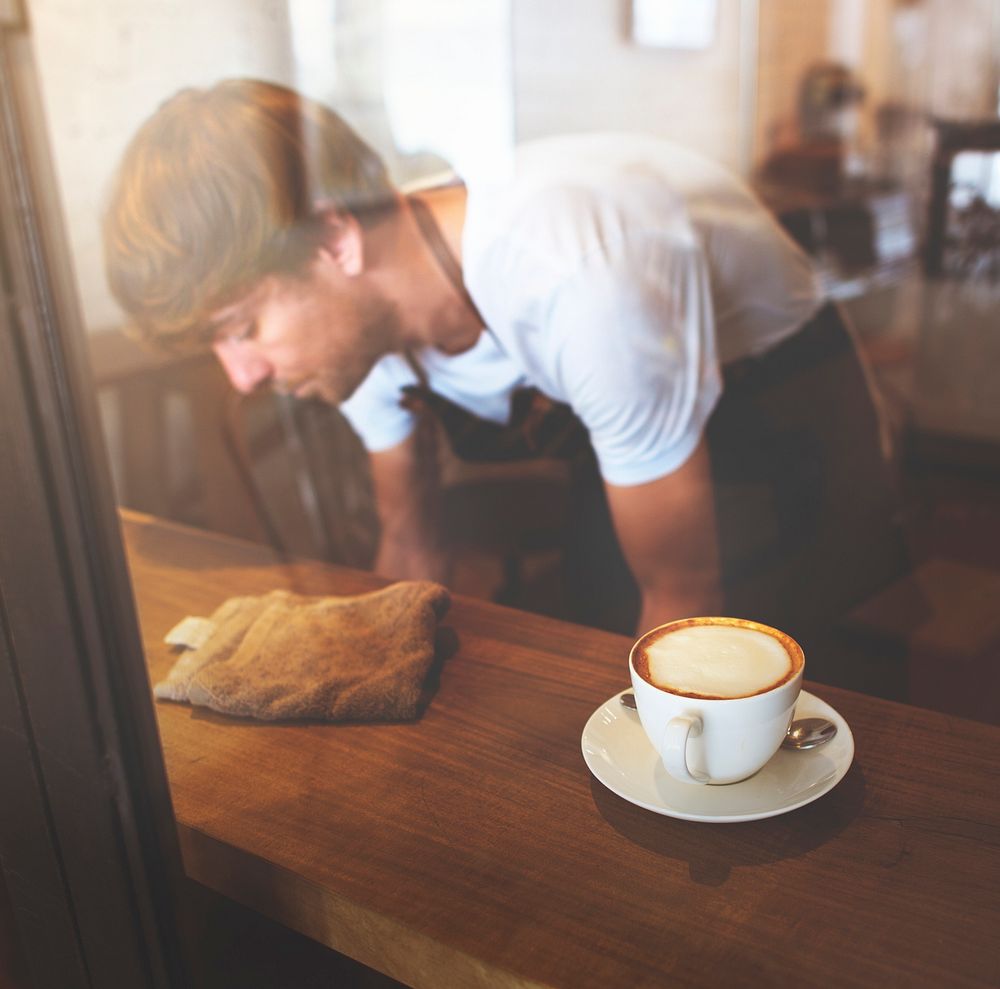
(715,695)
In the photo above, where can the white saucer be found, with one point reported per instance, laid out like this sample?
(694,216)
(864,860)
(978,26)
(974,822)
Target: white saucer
(618,753)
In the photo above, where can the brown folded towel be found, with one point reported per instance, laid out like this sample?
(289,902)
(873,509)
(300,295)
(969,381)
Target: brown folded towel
(362,658)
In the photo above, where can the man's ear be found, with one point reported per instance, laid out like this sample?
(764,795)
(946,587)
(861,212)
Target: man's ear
(343,240)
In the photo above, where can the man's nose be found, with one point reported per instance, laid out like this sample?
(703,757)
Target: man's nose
(245,367)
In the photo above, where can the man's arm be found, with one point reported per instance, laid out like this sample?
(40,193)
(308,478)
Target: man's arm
(666,529)
(407,497)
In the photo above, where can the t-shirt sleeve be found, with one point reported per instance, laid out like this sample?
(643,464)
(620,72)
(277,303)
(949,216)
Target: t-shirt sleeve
(634,354)
(374,411)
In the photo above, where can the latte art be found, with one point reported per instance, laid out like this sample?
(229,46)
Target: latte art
(711,660)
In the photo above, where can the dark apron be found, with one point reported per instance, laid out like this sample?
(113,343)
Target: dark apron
(537,426)
(805,503)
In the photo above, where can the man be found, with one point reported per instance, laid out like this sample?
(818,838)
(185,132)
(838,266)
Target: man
(613,280)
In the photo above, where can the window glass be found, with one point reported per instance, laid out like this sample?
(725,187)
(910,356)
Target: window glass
(863,140)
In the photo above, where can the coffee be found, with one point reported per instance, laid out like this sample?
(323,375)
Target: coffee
(717,658)
(715,696)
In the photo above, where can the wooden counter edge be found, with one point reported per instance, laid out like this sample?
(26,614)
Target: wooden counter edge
(368,937)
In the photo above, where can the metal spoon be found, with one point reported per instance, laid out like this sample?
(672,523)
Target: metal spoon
(807,733)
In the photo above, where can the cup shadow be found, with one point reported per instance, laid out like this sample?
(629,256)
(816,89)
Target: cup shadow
(712,851)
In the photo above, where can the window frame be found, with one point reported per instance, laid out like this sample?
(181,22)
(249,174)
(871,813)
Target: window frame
(88,842)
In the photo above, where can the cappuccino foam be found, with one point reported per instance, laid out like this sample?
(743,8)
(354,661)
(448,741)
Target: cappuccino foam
(715,661)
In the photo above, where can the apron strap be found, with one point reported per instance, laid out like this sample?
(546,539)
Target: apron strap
(417,368)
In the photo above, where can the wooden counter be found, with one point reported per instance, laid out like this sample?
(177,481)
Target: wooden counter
(473,847)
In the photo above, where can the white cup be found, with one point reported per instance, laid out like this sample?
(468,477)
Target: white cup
(716,739)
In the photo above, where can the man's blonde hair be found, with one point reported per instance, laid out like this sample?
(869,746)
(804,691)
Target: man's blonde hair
(219,188)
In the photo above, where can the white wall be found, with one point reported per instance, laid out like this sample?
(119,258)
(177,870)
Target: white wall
(576,68)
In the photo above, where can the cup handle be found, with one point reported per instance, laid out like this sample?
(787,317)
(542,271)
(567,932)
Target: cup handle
(674,751)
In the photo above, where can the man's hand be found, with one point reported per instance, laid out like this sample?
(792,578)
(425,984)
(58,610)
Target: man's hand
(667,531)
(407,497)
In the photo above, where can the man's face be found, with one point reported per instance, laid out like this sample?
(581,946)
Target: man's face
(312,336)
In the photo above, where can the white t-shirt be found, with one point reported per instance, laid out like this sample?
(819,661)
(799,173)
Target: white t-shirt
(614,273)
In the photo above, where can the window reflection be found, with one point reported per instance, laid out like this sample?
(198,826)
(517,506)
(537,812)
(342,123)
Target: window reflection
(831,111)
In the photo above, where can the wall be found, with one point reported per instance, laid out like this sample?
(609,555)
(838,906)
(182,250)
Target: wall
(962,57)
(575,68)
(793,35)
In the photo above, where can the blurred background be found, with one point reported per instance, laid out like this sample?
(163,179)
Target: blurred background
(869,127)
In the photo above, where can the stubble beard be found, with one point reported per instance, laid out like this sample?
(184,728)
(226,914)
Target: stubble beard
(379,338)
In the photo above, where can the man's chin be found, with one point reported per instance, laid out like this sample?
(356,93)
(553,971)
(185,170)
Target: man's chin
(331,390)
(303,392)
(319,392)
(308,392)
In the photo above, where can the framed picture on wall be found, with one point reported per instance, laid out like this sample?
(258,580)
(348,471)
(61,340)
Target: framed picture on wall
(682,24)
